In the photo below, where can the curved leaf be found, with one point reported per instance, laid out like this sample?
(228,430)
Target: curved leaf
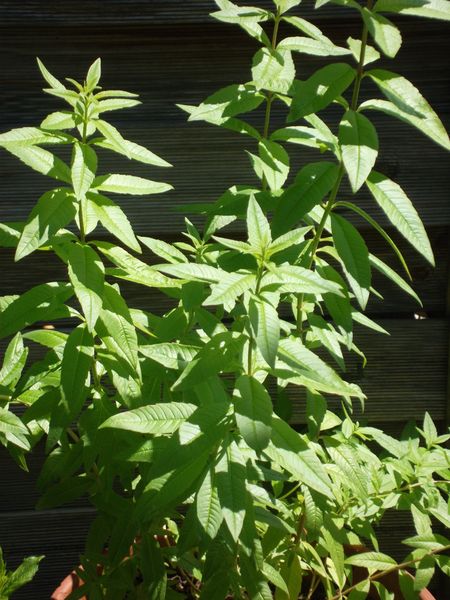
(433,9)
(158,419)
(359,142)
(401,212)
(384,33)
(41,161)
(129,184)
(112,217)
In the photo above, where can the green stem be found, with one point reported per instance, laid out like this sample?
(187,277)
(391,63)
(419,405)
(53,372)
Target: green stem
(333,195)
(380,574)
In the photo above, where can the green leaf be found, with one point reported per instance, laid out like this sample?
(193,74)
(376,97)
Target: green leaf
(13,362)
(193,272)
(386,270)
(166,251)
(42,161)
(311,370)
(231,286)
(84,166)
(87,274)
(129,184)
(336,552)
(247,17)
(133,269)
(431,542)
(53,211)
(63,119)
(312,184)
(77,360)
(114,104)
(315,47)
(253,411)
(409,101)
(370,54)
(112,217)
(13,429)
(272,575)
(291,452)
(230,476)
(49,78)
(93,75)
(384,33)
(373,561)
(285,5)
(401,212)
(153,569)
(46,337)
(22,575)
(227,103)
(158,419)
(289,239)
(208,507)
(273,70)
(306,27)
(354,255)
(265,325)
(359,142)
(65,491)
(29,136)
(317,92)
(433,9)
(258,228)
(272,164)
(40,303)
(297,280)
(116,329)
(115,142)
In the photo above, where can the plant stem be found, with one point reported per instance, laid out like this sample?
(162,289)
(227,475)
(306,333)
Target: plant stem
(333,195)
(380,574)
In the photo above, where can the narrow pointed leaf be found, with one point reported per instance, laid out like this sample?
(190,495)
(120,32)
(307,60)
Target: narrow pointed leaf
(87,274)
(384,33)
(229,289)
(359,142)
(386,270)
(49,78)
(317,92)
(84,166)
(265,325)
(53,211)
(253,410)
(129,184)
(93,75)
(354,255)
(59,120)
(230,474)
(314,47)
(112,217)
(208,507)
(158,419)
(41,161)
(401,212)
(258,228)
(433,9)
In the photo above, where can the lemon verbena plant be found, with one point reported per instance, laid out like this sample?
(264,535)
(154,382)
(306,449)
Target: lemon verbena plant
(177,427)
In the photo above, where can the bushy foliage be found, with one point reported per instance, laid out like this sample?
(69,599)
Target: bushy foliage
(177,427)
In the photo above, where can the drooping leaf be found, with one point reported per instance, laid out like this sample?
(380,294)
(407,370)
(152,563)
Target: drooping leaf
(40,303)
(354,254)
(208,507)
(433,9)
(265,326)
(422,125)
(158,419)
(359,142)
(115,142)
(87,275)
(315,47)
(407,98)
(84,166)
(272,164)
(53,211)
(253,410)
(401,212)
(229,476)
(163,249)
(112,217)
(311,370)
(317,92)
(386,270)
(384,33)
(42,161)
(13,429)
(273,70)
(291,452)
(129,184)
(76,363)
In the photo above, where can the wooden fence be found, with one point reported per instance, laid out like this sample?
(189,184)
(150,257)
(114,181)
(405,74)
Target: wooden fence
(171,52)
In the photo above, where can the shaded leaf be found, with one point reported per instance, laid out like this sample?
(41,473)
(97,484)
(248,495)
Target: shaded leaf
(253,410)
